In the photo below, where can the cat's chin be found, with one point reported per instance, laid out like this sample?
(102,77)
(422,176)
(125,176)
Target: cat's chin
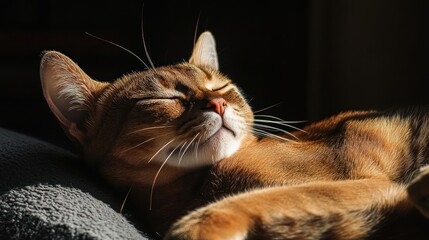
(222,144)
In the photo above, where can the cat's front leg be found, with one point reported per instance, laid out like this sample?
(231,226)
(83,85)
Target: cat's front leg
(332,210)
(256,215)
(219,221)
(418,191)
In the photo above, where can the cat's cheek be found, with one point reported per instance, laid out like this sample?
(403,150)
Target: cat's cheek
(161,111)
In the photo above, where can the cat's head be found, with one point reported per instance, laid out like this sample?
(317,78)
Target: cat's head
(184,115)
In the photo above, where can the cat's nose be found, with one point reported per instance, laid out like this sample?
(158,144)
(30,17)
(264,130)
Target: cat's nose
(217,105)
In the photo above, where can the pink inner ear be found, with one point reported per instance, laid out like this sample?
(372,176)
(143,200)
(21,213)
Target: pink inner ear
(76,133)
(68,92)
(51,94)
(204,52)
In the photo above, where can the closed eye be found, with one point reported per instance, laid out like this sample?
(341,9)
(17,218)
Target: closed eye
(150,100)
(158,98)
(220,88)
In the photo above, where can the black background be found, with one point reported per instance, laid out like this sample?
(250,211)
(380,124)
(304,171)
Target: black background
(307,59)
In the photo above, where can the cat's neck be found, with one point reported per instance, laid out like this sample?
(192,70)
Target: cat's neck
(171,197)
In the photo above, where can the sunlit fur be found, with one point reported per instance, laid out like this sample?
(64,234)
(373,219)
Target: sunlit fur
(164,115)
(190,171)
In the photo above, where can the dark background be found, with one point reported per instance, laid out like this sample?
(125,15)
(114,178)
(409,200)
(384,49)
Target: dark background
(308,58)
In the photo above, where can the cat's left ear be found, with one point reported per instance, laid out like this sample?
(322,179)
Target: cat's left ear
(69,92)
(204,52)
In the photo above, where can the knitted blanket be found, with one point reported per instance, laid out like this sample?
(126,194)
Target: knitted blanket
(46,192)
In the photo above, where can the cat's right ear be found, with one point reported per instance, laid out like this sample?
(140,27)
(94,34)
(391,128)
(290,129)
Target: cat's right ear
(204,52)
(69,92)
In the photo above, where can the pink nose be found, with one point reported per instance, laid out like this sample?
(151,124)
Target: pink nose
(217,104)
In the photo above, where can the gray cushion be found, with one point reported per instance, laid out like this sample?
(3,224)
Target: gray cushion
(47,192)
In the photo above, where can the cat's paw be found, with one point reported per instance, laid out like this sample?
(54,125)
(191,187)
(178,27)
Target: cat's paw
(418,191)
(211,223)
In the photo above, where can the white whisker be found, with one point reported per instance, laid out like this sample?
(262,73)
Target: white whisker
(275,128)
(196,148)
(280,123)
(138,145)
(261,110)
(268,134)
(144,43)
(156,177)
(277,118)
(119,46)
(149,128)
(196,28)
(125,199)
(160,150)
(189,144)
(180,151)
(146,141)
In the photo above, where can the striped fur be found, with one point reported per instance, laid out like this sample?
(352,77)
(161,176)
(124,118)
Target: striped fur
(181,138)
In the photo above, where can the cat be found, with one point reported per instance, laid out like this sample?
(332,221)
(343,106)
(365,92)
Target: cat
(180,139)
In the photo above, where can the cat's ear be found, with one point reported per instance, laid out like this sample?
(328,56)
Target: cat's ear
(69,92)
(204,52)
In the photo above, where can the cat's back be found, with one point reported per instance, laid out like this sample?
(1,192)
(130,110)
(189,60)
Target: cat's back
(351,145)
(390,143)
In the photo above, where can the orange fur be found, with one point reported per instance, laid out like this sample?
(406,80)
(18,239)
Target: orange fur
(199,173)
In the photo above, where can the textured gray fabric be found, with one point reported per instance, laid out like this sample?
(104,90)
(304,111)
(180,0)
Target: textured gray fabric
(47,193)
(57,212)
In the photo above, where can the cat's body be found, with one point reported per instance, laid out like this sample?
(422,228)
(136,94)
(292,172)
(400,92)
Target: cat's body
(180,137)
(353,168)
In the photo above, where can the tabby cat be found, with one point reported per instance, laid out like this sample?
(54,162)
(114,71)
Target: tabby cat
(181,139)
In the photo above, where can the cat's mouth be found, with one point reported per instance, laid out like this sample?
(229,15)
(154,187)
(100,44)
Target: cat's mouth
(215,141)
(228,129)
(222,129)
